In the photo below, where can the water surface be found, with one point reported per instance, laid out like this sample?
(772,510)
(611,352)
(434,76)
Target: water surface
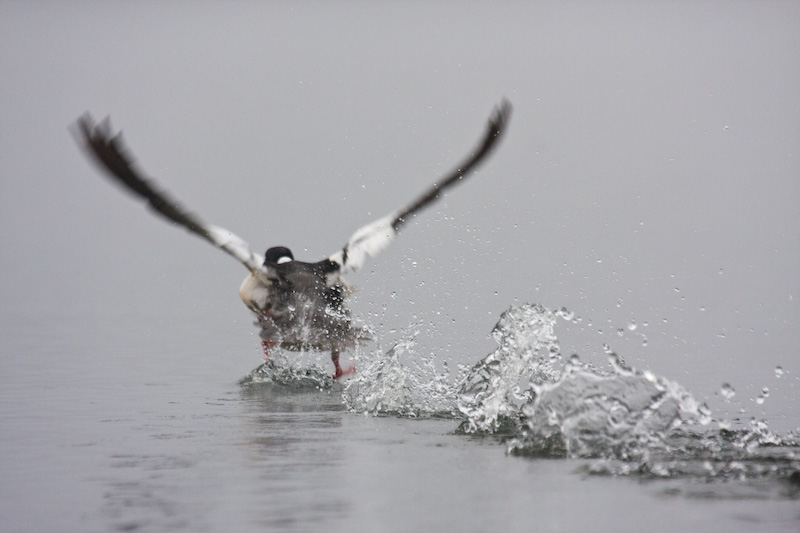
(97,441)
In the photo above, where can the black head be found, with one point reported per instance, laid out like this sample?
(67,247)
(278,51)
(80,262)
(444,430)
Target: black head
(278,254)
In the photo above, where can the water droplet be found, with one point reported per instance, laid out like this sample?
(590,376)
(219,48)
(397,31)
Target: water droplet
(617,363)
(705,414)
(632,325)
(566,314)
(727,391)
(644,340)
(620,332)
(763,396)
(779,372)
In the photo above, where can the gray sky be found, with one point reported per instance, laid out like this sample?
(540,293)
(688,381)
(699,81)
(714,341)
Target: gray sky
(651,172)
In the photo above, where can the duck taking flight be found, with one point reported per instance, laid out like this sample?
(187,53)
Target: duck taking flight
(298,305)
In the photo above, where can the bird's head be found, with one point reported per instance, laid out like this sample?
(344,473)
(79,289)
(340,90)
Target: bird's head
(278,255)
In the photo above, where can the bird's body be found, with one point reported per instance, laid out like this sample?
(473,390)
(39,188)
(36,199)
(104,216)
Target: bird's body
(298,305)
(303,309)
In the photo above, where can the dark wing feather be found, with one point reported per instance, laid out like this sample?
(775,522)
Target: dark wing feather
(373,238)
(494,131)
(111,155)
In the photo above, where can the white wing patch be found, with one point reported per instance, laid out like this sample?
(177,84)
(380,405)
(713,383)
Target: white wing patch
(238,248)
(110,153)
(373,238)
(368,241)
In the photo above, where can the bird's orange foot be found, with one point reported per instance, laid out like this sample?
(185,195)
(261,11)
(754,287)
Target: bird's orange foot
(267,346)
(344,371)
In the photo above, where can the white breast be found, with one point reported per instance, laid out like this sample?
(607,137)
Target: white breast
(254,294)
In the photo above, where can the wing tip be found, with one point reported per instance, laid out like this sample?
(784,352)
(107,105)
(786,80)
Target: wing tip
(91,132)
(500,117)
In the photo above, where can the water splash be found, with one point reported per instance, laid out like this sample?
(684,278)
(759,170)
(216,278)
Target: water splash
(495,389)
(621,414)
(625,421)
(753,454)
(301,370)
(401,383)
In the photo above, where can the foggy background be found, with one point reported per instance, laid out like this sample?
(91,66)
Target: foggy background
(650,176)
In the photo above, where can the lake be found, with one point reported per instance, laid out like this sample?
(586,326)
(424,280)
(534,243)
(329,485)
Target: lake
(102,436)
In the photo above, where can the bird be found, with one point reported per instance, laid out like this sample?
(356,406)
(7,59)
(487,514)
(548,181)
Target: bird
(298,305)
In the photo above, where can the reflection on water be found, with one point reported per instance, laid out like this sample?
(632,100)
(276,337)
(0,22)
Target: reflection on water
(294,396)
(278,446)
(294,445)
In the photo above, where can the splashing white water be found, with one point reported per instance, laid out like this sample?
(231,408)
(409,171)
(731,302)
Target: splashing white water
(630,421)
(495,389)
(622,413)
(386,385)
(293,369)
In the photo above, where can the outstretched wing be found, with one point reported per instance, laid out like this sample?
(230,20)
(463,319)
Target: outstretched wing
(370,240)
(110,153)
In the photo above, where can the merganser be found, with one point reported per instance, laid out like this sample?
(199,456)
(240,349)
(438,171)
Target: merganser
(298,305)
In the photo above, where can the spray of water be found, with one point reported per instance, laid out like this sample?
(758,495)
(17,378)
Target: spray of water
(401,383)
(625,420)
(492,394)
